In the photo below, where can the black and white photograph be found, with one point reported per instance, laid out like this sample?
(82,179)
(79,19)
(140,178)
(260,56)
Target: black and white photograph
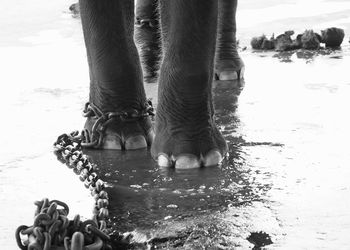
(175,124)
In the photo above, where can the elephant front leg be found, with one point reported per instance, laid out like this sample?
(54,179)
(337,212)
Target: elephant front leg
(186,134)
(228,65)
(117,97)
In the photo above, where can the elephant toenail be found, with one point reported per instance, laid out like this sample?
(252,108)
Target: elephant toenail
(135,142)
(212,158)
(228,75)
(241,73)
(164,161)
(112,141)
(187,161)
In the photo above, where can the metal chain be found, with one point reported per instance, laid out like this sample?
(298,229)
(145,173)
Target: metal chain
(69,151)
(52,229)
(94,139)
(51,226)
(151,23)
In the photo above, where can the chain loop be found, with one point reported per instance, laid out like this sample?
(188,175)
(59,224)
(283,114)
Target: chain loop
(95,138)
(151,23)
(18,233)
(51,228)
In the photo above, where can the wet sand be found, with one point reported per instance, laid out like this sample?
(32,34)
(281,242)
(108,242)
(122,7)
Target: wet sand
(287,170)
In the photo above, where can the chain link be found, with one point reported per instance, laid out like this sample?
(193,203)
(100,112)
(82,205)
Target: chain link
(151,23)
(95,138)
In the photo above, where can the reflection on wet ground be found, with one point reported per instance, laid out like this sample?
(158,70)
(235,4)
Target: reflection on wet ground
(146,198)
(306,55)
(142,194)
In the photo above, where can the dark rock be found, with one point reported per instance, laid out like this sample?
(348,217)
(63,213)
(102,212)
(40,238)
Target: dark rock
(262,42)
(284,41)
(309,40)
(257,41)
(332,37)
(289,32)
(268,44)
(74,8)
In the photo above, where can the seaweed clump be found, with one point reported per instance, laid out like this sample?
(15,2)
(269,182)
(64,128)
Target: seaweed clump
(331,37)
(262,42)
(259,239)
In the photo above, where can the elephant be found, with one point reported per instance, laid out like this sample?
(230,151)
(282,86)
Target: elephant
(118,115)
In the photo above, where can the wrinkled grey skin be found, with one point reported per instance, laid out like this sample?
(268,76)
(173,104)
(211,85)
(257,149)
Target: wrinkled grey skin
(185,134)
(228,64)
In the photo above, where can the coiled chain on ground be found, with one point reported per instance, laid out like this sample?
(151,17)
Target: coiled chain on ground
(51,227)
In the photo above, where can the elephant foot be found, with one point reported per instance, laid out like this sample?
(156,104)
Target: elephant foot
(186,135)
(148,41)
(186,150)
(227,70)
(127,130)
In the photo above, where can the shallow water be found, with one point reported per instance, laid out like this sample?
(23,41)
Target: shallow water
(287,168)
